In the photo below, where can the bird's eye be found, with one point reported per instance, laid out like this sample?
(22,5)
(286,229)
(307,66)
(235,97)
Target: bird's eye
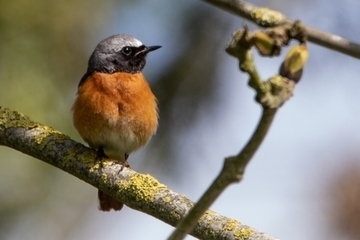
(126,50)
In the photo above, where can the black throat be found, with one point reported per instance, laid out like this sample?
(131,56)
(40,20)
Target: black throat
(128,59)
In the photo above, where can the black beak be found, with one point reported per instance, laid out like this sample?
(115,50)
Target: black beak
(151,48)
(146,50)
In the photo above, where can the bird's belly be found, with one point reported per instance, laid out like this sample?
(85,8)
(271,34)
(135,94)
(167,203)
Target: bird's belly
(115,136)
(116,142)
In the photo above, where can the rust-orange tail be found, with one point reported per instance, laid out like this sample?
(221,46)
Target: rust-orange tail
(106,203)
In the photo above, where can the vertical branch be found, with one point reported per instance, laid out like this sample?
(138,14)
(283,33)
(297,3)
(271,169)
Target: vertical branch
(271,94)
(232,172)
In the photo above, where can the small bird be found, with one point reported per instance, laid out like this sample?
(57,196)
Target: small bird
(115,111)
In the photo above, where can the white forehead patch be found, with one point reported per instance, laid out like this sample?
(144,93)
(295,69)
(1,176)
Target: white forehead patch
(117,42)
(130,41)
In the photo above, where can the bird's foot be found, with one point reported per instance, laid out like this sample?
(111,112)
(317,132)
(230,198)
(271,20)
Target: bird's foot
(100,156)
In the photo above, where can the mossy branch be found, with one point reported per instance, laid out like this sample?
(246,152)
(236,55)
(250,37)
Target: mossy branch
(138,191)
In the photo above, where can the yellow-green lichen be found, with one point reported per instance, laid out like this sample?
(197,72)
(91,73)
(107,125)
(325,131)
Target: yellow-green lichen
(175,215)
(88,159)
(46,137)
(42,132)
(167,199)
(230,225)
(143,186)
(208,217)
(209,214)
(104,177)
(13,119)
(244,233)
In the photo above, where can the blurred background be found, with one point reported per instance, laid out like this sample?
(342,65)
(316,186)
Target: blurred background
(303,183)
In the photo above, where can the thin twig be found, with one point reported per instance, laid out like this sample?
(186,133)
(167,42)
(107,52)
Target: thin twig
(232,172)
(331,41)
(271,94)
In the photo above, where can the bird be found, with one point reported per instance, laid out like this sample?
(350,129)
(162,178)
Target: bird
(115,112)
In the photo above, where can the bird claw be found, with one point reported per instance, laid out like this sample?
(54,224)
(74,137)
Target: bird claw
(100,156)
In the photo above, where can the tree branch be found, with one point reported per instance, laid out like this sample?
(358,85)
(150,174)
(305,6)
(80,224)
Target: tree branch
(232,172)
(271,94)
(138,191)
(331,41)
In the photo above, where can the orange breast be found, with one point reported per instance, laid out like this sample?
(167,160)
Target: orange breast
(117,112)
